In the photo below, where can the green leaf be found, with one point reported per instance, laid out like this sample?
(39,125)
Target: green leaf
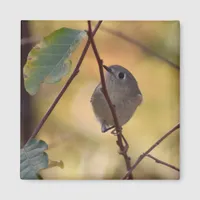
(49,61)
(33,158)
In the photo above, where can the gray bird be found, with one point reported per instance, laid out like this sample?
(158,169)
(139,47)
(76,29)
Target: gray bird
(124,94)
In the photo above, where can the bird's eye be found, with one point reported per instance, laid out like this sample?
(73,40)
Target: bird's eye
(121,75)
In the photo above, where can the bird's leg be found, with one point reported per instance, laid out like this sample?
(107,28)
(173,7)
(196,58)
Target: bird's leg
(107,129)
(115,132)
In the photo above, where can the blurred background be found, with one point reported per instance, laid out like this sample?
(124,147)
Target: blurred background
(72,132)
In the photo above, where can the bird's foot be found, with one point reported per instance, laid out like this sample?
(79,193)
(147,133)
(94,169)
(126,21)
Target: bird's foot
(104,128)
(115,132)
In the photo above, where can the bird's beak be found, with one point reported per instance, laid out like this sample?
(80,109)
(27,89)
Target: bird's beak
(107,69)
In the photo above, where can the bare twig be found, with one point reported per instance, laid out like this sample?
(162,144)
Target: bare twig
(30,40)
(163,163)
(139,44)
(104,90)
(141,157)
(75,72)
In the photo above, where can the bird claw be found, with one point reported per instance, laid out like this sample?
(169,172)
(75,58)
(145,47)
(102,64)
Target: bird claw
(114,132)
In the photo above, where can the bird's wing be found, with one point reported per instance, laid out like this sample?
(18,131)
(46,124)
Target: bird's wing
(97,88)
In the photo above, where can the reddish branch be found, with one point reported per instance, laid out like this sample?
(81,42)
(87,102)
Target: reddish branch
(104,90)
(75,72)
(142,156)
(163,163)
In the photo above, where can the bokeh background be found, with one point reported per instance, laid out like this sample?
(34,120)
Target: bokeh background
(72,132)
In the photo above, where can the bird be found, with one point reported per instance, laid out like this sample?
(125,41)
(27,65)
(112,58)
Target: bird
(124,93)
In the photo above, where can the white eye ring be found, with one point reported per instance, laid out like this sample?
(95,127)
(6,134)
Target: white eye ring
(121,75)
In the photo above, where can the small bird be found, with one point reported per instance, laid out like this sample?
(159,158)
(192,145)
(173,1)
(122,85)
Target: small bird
(124,94)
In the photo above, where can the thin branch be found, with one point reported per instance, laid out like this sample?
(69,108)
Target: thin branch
(75,72)
(139,44)
(163,163)
(105,92)
(141,157)
(30,40)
